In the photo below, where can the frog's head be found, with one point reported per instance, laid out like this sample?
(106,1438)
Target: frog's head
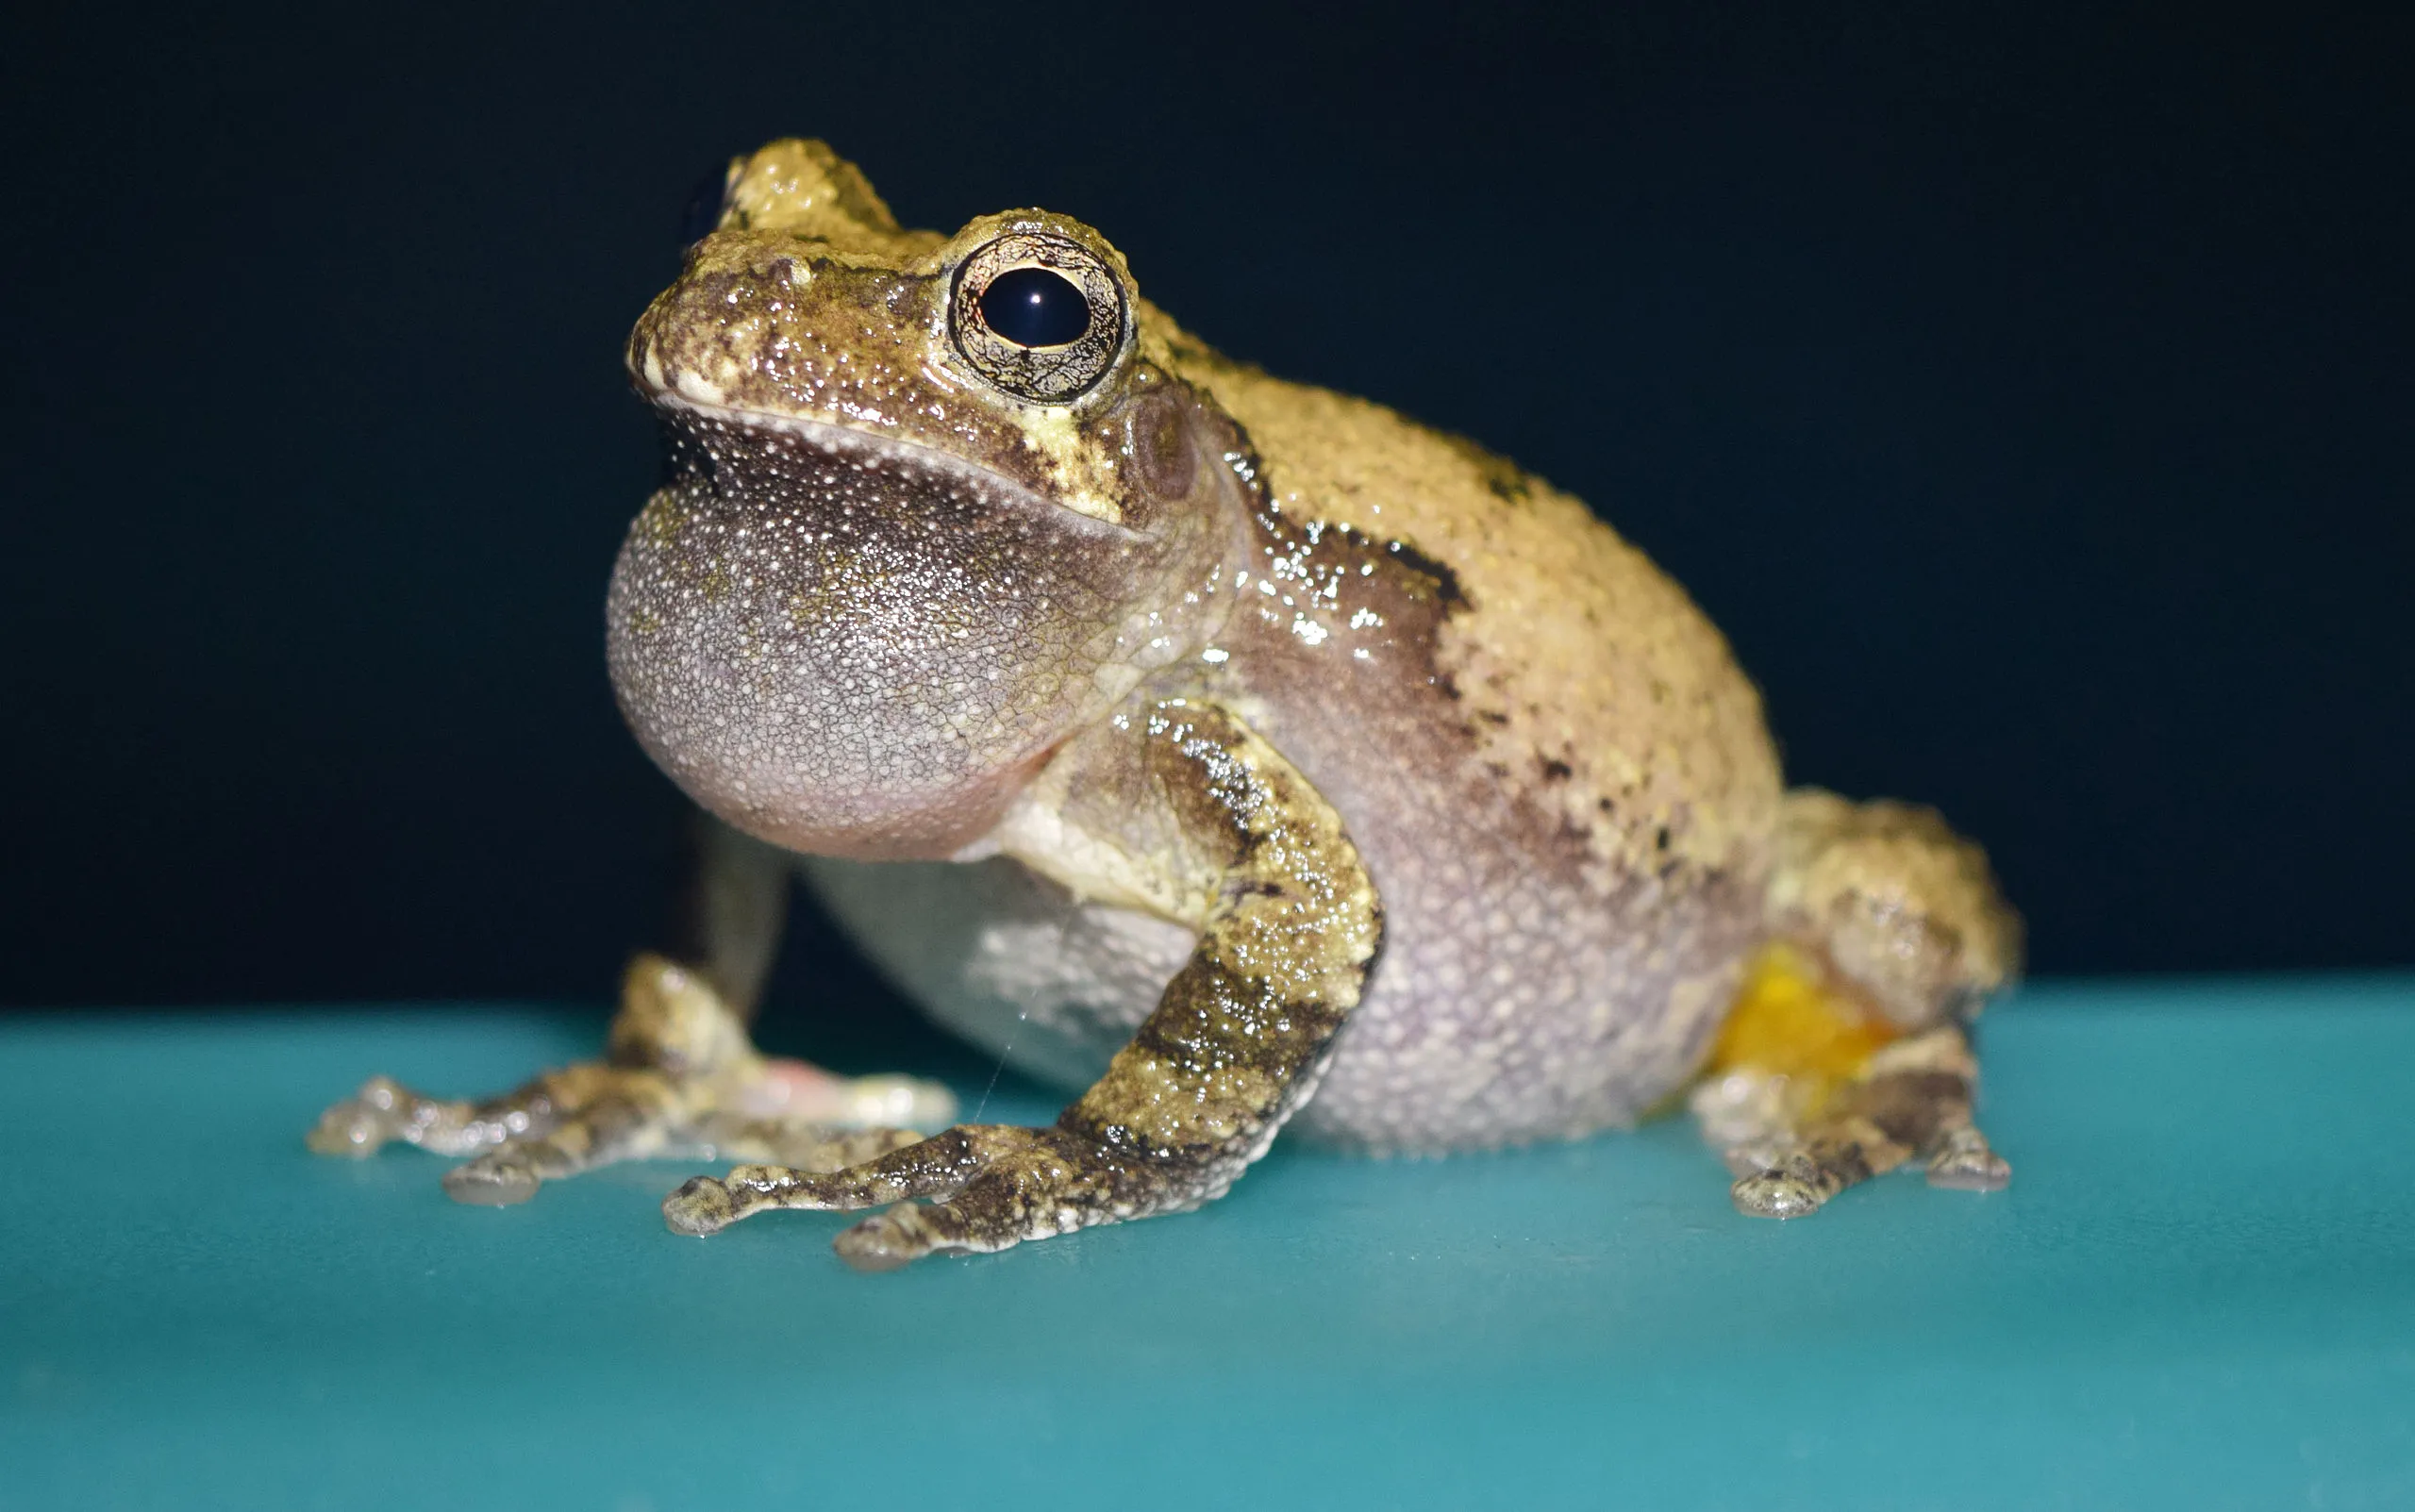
(931,504)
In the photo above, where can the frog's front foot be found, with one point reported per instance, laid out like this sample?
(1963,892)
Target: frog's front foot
(990,1186)
(679,1076)
(384,1111)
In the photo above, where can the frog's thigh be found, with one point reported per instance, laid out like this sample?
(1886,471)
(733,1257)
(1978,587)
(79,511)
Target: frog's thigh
(1234,1046)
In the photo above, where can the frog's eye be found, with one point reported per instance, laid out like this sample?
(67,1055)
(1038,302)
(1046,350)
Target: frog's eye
(1032,306)
(1042,317)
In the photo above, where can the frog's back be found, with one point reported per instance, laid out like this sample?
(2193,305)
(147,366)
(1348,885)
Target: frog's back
(1584,675)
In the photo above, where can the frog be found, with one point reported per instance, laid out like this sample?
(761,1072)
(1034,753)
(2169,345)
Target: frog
(1244,757)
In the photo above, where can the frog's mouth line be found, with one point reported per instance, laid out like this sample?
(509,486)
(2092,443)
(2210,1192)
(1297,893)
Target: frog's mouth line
(846,444)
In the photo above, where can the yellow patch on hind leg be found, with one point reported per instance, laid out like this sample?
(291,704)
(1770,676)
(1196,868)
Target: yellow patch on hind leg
(1789,1020)
(1810,1089)
(1791,1039)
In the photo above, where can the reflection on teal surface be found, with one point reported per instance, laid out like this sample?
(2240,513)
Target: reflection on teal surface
(2199,1293)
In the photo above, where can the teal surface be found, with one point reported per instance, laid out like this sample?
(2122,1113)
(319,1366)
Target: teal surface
(2199,1293)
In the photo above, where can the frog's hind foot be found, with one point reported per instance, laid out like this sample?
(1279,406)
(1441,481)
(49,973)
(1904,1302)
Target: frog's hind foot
(1847,1052)
(1911,1101)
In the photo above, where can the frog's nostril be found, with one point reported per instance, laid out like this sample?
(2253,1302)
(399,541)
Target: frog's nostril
(1033,307)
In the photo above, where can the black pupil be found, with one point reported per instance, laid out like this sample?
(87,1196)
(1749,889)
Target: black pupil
(1032,306)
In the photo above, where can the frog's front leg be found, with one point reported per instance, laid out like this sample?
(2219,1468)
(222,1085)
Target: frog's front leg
(679,1072)
(1848,1052)
(1179,807)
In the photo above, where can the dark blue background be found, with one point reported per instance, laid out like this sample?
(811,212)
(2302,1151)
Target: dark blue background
(2025,392)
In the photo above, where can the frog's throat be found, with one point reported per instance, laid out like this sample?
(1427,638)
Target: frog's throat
(864,447)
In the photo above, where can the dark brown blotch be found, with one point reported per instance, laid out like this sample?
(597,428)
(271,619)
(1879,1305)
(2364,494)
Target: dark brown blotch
(1912,1107)
(1446,582)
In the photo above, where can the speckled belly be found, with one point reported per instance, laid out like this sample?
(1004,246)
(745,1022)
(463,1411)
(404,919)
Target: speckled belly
(1505,1010)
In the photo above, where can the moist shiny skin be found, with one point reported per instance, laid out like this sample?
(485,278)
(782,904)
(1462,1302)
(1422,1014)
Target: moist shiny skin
(888,614)
(1241,753)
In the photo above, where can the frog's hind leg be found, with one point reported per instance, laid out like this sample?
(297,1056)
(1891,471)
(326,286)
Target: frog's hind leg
(679,1074)
(1911,1100)
(1848,1052)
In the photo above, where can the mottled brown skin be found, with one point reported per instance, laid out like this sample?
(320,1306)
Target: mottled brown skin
(1133,696)
(1237,1041)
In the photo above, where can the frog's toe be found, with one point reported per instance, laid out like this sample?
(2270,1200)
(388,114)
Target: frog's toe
(1790,1189)
(382,1112)
(1004,1207)
(990,1188)
(890,1240)
(497,1180)
(356,1127)
(1966,1163)
(702,1205)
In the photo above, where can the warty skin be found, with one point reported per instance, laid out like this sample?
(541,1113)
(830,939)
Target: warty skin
(859,623)
(1242,751)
